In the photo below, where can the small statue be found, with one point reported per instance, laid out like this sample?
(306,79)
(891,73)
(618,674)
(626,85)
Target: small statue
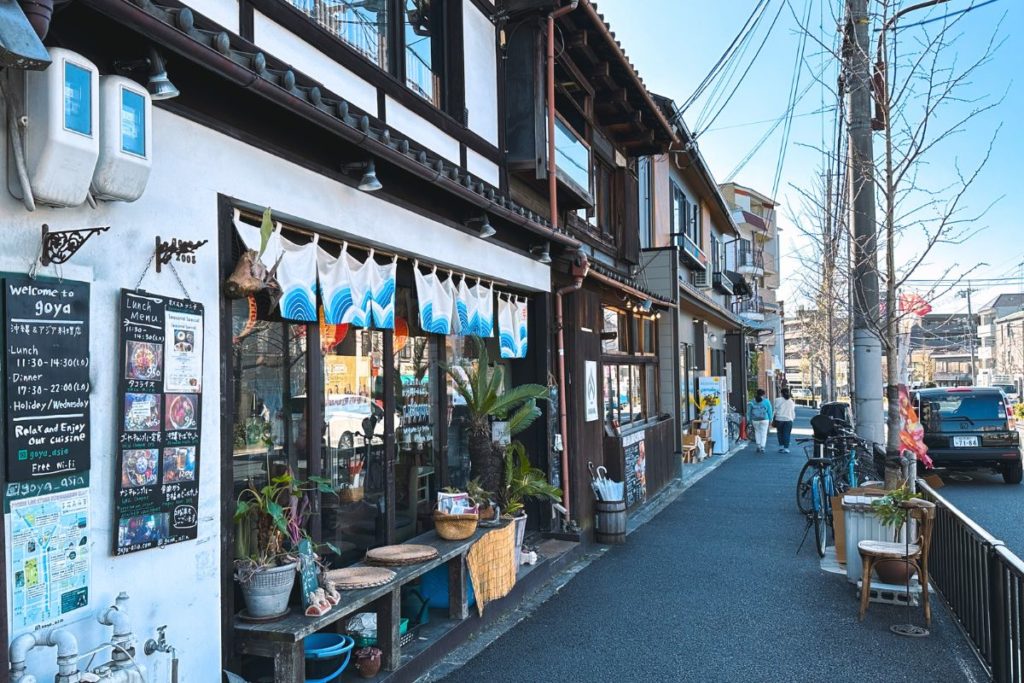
(318,605)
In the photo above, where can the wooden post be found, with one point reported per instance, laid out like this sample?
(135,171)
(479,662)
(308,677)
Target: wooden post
(458,599)
(290,663)
(389,620)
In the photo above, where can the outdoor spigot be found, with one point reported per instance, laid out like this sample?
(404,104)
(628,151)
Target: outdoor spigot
(158,645)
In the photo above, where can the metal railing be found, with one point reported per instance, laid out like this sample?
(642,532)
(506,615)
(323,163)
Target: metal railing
(754,304)
(982,582)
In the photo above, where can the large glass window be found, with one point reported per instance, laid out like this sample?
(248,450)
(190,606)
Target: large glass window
(360,24)
(630,367)
(572,155)
(421,60)
(615,333)
(644,184)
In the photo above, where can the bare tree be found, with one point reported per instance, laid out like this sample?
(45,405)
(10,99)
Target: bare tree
(924,103)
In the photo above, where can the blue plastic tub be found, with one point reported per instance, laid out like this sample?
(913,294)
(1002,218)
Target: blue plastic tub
(327,655)
(434,586)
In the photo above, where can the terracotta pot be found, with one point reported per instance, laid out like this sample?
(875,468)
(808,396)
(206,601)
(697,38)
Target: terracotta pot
(895,572)
(368,662)
(38,13)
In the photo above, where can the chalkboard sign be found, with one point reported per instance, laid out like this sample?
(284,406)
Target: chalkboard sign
(636,468)
(158,416)
(46,361)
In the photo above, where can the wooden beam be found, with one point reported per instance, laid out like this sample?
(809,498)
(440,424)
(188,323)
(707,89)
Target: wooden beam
(619,117)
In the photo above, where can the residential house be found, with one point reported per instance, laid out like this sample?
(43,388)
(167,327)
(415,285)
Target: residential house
(1009,350)
(685,261)
(755,255)
(987,352)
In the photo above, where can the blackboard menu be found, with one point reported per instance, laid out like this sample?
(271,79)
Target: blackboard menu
(635,451)
(158,414)
(46,361)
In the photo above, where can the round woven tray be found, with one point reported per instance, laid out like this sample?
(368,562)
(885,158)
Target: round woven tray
(354,578)
(400,555)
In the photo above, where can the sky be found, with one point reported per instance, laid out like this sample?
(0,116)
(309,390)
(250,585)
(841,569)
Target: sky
(674,43)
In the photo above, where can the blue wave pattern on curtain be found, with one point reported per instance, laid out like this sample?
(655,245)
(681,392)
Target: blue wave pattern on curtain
(436,301)
(513,338)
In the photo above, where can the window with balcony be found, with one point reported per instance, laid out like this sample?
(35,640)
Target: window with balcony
(686,228)
(406,38)
(572,156)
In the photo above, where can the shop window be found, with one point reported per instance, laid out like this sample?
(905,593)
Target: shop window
(644,335)
(615,333)
(630,393)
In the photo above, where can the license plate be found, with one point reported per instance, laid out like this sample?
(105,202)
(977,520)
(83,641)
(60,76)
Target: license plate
(965,442)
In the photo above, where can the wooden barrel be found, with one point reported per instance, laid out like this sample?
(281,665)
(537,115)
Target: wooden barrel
(610,521)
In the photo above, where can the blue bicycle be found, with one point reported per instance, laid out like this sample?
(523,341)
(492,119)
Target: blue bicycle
(818,489)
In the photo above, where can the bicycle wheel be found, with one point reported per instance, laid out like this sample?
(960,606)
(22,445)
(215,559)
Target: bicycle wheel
(820,519)
(804,490)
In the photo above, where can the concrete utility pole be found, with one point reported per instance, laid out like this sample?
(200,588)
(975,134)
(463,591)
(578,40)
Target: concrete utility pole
(867,348)
(966,293)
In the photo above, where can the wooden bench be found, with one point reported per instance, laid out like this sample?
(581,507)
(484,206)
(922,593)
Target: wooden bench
(281,640)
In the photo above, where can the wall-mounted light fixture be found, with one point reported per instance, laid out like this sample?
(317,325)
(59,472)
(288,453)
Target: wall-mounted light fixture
(486,229)
(369,181)
(158,84)
(542,252)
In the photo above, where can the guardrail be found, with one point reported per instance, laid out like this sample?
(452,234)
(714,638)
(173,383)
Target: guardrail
(982,582)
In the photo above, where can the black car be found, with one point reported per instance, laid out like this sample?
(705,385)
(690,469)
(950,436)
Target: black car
(971,428)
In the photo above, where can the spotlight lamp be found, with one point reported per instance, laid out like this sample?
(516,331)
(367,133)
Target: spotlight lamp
(158,84)
(541,252)
(369,181)
(486,229)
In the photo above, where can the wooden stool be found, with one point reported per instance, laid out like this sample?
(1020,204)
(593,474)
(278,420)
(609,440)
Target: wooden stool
(916,554)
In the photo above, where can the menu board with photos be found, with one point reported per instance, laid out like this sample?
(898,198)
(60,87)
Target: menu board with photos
(46,364)
(160,379)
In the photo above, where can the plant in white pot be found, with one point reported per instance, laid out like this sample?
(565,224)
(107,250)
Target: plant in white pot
(269,523)
(891,512)
(521,482)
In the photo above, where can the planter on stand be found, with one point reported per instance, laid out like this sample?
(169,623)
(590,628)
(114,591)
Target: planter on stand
(266,591)
(895,572)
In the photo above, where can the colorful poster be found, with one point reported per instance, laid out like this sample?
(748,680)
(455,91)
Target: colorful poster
(49,546)
(157,492)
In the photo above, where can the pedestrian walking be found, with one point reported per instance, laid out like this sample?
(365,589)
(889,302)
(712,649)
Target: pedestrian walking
(759,416)
(785,412)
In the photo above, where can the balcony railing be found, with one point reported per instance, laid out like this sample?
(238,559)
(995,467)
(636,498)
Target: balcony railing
(750,259)
(690,252)
(754,304)
(721,282)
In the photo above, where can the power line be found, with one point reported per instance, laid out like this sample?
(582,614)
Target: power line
(945,16)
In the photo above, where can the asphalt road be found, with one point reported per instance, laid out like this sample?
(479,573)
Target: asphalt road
(995,506)
(713,589)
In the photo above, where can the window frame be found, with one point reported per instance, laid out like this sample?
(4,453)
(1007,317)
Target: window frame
(629,357)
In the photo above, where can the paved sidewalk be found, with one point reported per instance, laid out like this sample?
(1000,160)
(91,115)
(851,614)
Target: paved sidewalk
(712,589)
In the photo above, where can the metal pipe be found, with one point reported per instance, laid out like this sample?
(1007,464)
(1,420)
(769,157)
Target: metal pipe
(563,418)
(20,647)
(181,42)
(67,653)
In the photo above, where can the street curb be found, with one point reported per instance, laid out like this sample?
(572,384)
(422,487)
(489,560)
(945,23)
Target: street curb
(479,641)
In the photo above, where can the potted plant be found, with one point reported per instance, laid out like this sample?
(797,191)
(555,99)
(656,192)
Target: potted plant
(481,388)
(269,525)
(890,512)
(522,481)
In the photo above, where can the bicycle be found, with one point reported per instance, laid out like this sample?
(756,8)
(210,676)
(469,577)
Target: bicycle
(733,421)
(821,489)
(848,454)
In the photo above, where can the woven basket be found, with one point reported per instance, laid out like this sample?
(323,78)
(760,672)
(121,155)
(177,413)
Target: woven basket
(455,527)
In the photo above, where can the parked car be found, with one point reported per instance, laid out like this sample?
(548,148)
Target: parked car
(1011,392)
(345,416)
(971,428)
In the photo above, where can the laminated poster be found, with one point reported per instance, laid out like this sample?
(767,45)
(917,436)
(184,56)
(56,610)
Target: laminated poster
(158,415)
(49,546)
(635,449)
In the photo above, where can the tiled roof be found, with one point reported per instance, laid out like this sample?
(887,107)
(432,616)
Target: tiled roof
(628,281)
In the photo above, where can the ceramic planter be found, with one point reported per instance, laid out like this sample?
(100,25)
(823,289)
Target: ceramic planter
(895,572)
(267,591)
(368,662)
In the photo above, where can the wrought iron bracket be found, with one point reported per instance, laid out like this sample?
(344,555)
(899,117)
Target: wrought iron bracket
(61,245)
(183,251)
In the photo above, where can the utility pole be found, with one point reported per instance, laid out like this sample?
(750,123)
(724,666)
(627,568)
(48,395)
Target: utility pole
(867,361)
(970,322)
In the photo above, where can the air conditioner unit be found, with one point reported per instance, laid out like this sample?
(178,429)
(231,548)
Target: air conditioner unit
(702,279)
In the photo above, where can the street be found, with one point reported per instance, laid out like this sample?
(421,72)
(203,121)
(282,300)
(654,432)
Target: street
(995,506)
(712,589)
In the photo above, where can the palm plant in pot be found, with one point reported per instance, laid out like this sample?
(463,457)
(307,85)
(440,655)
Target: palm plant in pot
(481,387)
(269,523)
(522,481)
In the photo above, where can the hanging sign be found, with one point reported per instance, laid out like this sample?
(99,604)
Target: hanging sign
(49,547)
(46,361)
(158,416)
(590,390)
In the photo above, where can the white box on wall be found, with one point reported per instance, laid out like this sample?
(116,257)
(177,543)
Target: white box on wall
(61,138)
(126,140)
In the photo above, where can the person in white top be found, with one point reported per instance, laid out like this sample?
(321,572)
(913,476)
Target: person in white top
(785,413)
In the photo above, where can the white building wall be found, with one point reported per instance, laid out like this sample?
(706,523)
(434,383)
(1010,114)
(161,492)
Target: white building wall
(483,168)
(411,125)
(481,72)
(180,585)
(288,47)
(224,12)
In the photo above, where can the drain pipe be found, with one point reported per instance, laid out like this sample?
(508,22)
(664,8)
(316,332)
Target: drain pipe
(20,647)
(577,279)
(67,655)
(580,268)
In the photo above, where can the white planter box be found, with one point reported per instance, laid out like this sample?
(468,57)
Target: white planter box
(861,525)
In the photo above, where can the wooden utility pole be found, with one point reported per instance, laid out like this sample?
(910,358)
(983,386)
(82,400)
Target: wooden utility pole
(867,348)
